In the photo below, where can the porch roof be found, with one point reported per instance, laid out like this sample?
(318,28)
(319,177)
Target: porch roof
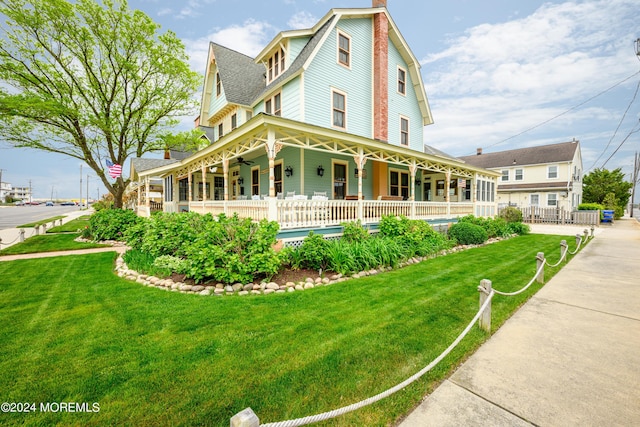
(253,135)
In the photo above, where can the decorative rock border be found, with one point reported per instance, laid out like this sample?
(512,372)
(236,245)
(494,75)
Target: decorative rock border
(265,288)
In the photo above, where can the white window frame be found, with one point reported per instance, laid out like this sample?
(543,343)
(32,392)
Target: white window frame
(254,184)
(218,85)
(344,120)
(402,132)
(270,105)
(537,196)
(549,168)
(404,82)
(275,68)
(515,177)
(555,199)
(504,177)
(234,121)
(340,33)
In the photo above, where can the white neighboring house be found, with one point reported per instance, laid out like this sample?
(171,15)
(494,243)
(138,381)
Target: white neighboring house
(19,193)
(545,176)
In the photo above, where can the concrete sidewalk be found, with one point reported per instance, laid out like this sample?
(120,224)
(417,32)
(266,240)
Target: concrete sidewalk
(11,236)
(570,356)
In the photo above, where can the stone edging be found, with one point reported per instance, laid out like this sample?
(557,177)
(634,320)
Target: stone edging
(265,288)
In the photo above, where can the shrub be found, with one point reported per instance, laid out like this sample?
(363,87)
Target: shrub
(170,233)
(170,263)
(590,207)
(494,227)
(393,226)
(313,252)
(511,214)
(111,224)
(143,262)
(102,204)
(231,250)
(467,233)
(354,231)
(518,228)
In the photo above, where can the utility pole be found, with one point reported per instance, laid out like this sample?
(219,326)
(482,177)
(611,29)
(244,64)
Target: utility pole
(635,179)
(30,192)
(80,202)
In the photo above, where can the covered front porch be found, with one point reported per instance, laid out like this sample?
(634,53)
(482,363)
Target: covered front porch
(305,176)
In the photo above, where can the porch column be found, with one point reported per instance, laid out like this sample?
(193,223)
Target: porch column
(447,198)
(203,170)
(225,178)
(474,195)
(272,148)
(360,160)
(147,202)
(139,193)
(176,192)
(412,170)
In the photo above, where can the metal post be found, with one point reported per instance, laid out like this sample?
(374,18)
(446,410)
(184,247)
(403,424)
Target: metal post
(485,319)
(245,418)
(540,266)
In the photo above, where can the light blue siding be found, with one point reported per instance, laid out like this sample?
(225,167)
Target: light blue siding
(325,74)
(217,102)
(403,105)
(295,46)
(291,99)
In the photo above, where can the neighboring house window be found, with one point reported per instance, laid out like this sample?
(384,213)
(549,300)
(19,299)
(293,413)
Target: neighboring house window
(535,200)
(273,105)
(467,190)
(168,189)
(404,131)
(399,184)
(339,102)
(183,190)
(218,85)
(453,187)
(440,188)
(234,121)
(505,175)
(344,50)
(552,172)
(220,130)
(402,81)
(276,65)
(255,181)
(519,174)
(552,199)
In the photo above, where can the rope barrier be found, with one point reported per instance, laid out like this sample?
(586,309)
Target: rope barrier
(332,414)
(509,294)
(562,256)
(577,247)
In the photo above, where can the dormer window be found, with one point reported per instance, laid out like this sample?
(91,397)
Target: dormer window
(275,65)
(273,105)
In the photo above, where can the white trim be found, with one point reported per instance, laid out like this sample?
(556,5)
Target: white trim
(408,144)
(556,199)
(515,174)
(557,171)
(398,80)
(502,171)
(346,176)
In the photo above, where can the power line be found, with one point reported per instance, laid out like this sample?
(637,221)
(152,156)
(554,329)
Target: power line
(623,141)
(618,127)
(565,112)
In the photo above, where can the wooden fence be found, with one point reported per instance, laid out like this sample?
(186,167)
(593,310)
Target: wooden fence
(538,215)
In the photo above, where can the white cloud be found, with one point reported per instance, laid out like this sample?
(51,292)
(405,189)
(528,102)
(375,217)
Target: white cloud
(495,81)
(302,20)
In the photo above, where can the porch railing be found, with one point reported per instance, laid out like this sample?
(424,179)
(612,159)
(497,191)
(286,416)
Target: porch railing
(322,213)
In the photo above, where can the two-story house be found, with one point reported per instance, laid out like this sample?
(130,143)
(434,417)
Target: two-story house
(544,176)
(324,125)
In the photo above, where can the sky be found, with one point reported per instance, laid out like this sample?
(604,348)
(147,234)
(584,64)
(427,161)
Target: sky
(498,74)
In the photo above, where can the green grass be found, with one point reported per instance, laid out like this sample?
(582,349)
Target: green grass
(71,226)
(48,243)
(73,331)
(38,223)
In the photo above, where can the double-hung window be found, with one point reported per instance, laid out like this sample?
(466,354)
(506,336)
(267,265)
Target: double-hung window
(505,175)
(273,105)
(339,108)
(552,172)
(344,49)
(404,131)
(402,81)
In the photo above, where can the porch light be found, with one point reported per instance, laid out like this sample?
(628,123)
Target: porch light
(288,171)
(320,171)
(241,180)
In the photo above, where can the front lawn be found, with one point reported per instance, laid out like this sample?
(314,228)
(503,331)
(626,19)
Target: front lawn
(71,226)
(48,243)
(72,331)
(39,223)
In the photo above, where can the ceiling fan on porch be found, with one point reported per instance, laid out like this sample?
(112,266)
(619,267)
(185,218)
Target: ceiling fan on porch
(242,161)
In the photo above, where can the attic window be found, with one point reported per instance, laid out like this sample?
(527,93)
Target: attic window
(276,65)
(344,50)
(218,85)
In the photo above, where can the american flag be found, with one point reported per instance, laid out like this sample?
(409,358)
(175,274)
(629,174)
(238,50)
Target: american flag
(114,170)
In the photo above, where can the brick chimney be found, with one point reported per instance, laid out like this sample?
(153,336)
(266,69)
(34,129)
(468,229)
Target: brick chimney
(379,3)
(478,151)
(380,74)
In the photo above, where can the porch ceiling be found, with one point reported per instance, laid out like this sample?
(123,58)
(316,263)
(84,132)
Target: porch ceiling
(253,135)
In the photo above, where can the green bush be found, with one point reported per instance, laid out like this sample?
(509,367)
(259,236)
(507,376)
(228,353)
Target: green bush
(518,228)
(494,227)
(354,231)
(313,252)
(170,263)
(511,214)
(170,233)
(467,233)
(231,250)
(590,207)
(143,262)
(111,224)
(102,204)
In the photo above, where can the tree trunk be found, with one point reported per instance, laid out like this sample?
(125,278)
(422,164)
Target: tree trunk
(117,194)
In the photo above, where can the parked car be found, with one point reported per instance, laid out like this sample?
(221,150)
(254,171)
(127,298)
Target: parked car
(19,203)
(49,204)
(67,204)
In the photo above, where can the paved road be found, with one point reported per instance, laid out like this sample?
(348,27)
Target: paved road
(13,216)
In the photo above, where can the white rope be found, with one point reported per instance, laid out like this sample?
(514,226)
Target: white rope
(578,247)
(564,254)
(509,294)
(336,412)
(10,243)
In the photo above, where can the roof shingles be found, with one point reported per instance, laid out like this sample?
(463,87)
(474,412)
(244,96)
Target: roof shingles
(562,152)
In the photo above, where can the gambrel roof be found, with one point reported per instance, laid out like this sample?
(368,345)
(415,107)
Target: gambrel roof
(554,153)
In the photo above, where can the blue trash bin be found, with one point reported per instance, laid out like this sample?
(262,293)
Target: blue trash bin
(607,216)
